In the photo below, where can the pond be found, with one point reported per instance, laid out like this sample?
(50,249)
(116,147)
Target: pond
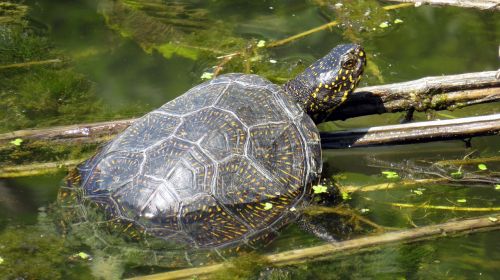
(118,59)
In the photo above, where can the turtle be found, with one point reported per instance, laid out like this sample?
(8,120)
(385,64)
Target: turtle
(226,163)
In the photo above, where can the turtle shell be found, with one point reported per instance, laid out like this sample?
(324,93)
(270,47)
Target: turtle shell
(223,164)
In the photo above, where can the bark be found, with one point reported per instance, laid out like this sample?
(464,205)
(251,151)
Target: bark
(431,93)
(36,169)
(291,257)
(412,132)
(479,4)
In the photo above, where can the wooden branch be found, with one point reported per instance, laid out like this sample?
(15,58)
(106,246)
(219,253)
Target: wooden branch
(431,93)
(479,4)
(412,132)
(436,93)
(79,133)
(36,169)
(357,245)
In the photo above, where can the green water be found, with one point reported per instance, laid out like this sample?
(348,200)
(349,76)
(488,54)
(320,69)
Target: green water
(113,69)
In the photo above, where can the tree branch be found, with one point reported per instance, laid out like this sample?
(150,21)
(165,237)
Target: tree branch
(412,132)
(479,4)
(466,226)
(431,93)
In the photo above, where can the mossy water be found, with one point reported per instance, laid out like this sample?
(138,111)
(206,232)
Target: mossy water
(112,68)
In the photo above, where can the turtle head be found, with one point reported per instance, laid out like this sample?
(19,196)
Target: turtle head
(327,83)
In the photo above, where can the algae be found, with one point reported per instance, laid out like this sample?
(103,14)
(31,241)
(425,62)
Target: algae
(39,94)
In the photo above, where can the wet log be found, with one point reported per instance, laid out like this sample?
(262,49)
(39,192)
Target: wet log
(36,169)
(478,4)
(418,132)
(430,93)
(452,228)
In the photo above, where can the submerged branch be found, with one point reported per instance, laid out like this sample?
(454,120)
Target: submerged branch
(415,182)
(443,207)
(36,169)
(479,4)
(467,161)
(413,132)
(30,63)
(466,226)
(323,27)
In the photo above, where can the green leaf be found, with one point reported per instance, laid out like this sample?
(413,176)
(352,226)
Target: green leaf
(493,219)
(345,196)
(207,76)
(456,175)
(319,189)
(261,44)
(1,260)
(390,174)
(482,166)
(397,21)
(462,200)
(384,24)
(365,210)
(17,142)
(418,192)
(83,256)
(497,187)
(268,206)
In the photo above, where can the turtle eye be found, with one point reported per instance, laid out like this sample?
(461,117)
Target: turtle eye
(349,64)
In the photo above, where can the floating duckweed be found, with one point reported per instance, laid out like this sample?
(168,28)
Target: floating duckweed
(397,21)
(261,44)
(493,219)
(482,166)
(390,174)
(384,24)
(462,200)
(345,195)
(16,142)
(83,256)
(497,187)
(418,192)
(207,76)
(319,189)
